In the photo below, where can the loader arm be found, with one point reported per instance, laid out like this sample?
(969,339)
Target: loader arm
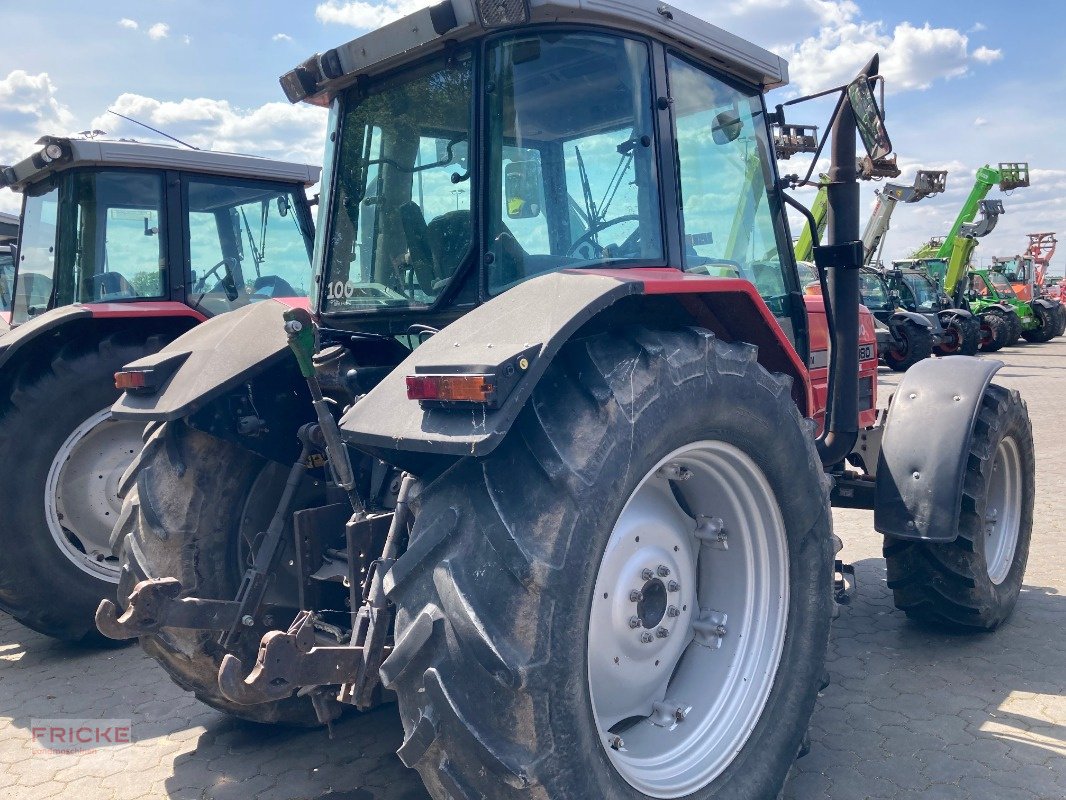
(966,241)
(744,219)
(1007,177)
(820,211)
(926,184)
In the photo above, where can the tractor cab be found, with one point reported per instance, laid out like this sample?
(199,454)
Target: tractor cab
(579,168)
(126,222)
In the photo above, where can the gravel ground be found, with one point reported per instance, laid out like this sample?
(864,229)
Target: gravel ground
(910,713)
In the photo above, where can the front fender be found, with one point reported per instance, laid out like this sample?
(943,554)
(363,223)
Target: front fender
(926,447)
(955,313)
(1044,303)
(208,361)
(899,317)
(532,321)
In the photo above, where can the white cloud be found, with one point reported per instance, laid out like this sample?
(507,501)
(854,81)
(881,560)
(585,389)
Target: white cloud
(980,122)
(29,108)
(186,39)
(277,130)
(977,27)
(159,31)
(130,24)
(366,14)
(281,37)
(986,55)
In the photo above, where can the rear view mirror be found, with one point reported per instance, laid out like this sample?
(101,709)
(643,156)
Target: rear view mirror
(726,127)
(523,189)
(283,205)
(868,118)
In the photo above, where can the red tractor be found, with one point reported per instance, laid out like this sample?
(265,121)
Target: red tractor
(124,247)
(531,464)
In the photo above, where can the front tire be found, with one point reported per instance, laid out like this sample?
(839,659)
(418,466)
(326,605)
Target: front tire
(61,458)
(514,600)
(1046,325)
(973,583)
(911,343)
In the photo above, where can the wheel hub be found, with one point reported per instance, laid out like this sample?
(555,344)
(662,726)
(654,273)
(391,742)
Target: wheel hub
(687,620)
(81,492)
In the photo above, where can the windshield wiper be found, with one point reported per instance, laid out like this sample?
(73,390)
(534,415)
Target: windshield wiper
(590,204)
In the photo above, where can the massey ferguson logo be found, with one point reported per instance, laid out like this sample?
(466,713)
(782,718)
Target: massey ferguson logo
(80,735)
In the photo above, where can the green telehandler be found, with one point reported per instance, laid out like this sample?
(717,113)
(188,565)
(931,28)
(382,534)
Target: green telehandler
(947,260)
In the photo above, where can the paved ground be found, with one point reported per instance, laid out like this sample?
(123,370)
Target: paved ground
(910,714)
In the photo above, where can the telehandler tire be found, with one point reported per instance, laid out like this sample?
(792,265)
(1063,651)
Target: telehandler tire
(964,337)
(994,332)
(915,343)
(1060,320)
(190,501)
(973,583)
(1047,324)
(552,587)
(61,458)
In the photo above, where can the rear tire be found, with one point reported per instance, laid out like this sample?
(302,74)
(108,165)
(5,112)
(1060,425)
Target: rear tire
(495,596)
(61,457)
(994,331)
(181,518)
(964,336)
(973,583)
(915,343)
(1060,320)
(1047,324)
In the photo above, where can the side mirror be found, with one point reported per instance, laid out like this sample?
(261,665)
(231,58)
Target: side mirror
(868,118)
(283,205)
(726,127)
(523,189)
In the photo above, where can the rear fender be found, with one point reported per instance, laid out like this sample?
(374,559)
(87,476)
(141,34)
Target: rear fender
(900,317)
(209,361)
(36,342)
(533,321)
(926,445)
(1043,303)
(954,313)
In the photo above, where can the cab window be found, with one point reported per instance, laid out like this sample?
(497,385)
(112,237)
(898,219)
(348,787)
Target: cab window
(245,243)
(724,162)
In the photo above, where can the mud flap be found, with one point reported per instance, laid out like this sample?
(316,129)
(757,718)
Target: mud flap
(925,446)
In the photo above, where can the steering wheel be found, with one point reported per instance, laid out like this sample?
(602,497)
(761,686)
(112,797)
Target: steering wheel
(586,237)
(228,284)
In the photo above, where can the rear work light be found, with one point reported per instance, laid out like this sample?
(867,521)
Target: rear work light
(480,389)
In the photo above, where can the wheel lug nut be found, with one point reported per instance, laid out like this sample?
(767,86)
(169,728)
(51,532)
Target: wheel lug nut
(634,596)
(673,586)
(646,637)
(663,570)
(634,622)
(647,574)
(673,611)
(662,633)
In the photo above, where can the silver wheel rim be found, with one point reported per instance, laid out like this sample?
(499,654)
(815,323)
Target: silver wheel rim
(1003,510)
(81,500)
(681,659)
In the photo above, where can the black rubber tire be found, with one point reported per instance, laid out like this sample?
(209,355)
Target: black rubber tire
(964,333)
(948,584)
(994,331)
(1014,329)
(1060,320)
(492,596)
(1045,326)
(916,343)
(184,498)
(39,585)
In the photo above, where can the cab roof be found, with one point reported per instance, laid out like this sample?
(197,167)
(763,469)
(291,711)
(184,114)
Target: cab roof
(127,153)
(451,22)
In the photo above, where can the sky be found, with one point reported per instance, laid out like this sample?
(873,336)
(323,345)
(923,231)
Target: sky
(967,83)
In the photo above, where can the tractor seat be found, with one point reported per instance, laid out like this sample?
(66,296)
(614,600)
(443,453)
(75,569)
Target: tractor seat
(449,240)
(273,286)
(111,285)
